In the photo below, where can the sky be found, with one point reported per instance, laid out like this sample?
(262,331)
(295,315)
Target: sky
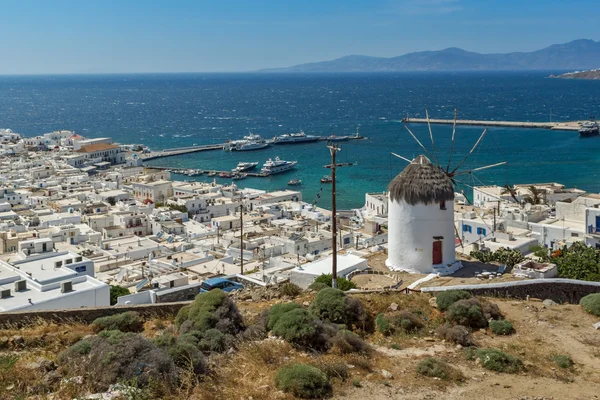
(123,36)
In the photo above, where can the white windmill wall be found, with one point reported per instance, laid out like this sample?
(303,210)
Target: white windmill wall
(411,232)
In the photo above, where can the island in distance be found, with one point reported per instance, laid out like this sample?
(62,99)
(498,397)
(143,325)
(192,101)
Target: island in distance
(590,74)
(582,54)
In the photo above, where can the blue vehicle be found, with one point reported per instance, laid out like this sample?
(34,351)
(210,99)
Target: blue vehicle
(220,283)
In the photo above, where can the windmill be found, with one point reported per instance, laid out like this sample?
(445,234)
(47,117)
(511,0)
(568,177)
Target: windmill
(415,220)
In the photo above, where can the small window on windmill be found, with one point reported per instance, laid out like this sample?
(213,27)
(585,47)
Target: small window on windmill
(66,287)
(443,205)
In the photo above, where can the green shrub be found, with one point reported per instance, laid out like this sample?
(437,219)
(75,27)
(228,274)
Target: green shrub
(591,304)
(106,361)
(501,327)
(187,356)
(407,322)
(215,341)
(497,360)
(563,361)
(336,369)
(445,299)
(346,342)
(468,313)
(334,306)
(342,283)
(301,329)
(7,362)
(116,292)
(165,340)
(303,381)
(290,289)
(456,334)
(383,324)
(316,286)
(436,368)
(129,321)
(277,311)
(210,310)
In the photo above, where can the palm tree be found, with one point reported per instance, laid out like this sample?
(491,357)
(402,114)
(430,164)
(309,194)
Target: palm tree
(535,196)
(512,191)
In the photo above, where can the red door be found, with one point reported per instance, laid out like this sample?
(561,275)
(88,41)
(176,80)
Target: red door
(437,252)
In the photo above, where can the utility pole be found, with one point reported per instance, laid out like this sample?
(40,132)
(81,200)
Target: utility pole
(333,150)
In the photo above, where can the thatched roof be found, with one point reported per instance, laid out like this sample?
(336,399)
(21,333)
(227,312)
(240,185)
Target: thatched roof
(421,182)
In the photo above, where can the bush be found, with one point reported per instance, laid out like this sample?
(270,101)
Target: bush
(346,342)
(335,369)
(301,329)
(334,306)
(496,360)
(436,368)
(563,361)
(290,289)
(303,381)
(108,361)
(116,292)
(468,313)
(445,299)
(215,341)
(384,325)
(501,327)
(277,311)
(342,283)
(187,356)
(125,322)
(591,304)
(456,334)
(317,286)
(210,310)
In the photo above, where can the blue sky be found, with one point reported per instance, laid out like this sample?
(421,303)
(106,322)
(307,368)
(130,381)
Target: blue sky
(99,36)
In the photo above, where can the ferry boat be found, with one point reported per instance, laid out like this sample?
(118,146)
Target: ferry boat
(299,137)
(326,179)
(250,142)
(244,166)
(295,182)
(334,138)
(276,166)
(589,129)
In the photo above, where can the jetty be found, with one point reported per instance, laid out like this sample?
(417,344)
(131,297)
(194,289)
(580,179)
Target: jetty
(179,151)
(564,126)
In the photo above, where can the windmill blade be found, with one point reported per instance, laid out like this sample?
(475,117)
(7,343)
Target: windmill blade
(480,168)
(452,144)
(459,239)
(470,152)
(417,140)
(399,156)
(431,137)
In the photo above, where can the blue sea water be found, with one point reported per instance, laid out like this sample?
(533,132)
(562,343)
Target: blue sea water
(173,110)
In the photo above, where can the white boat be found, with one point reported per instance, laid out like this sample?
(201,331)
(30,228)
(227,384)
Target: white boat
(250,142)
(334,138)
(299,137)
(244,166)
(276,166)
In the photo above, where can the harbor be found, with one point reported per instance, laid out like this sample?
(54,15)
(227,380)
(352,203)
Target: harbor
(562,126)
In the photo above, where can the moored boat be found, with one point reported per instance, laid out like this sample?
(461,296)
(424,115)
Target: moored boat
(276,166)
(589,129)
(334,138)
(326,179)
(244,166)
(299,137)
(295,182)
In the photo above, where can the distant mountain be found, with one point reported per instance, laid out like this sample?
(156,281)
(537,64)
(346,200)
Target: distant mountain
(578,54)
(593,74)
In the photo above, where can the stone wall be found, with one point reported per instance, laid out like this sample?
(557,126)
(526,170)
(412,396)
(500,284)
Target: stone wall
(559,290)
(87,314)
(184,293)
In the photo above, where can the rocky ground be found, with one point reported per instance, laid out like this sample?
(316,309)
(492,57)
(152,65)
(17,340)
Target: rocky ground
(29,357)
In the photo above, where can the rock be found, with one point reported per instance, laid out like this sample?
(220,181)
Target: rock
(393,307)
(256,296)
(433,302)
(387,374)
(458,346)
(52,378)
(596,325)
(76,380)
(306,303)
(17,341)
(477,361)
(4,342)
(429,339)
(549,303)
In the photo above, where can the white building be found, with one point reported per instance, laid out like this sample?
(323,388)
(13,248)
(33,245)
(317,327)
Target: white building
(305,275)
(158,191)
(421,234)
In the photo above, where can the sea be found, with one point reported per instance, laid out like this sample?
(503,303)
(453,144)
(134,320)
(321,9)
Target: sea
(175,110)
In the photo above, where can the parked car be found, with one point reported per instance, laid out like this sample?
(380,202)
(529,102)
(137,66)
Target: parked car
(220,283)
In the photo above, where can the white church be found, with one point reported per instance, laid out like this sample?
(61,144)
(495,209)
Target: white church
(421,220)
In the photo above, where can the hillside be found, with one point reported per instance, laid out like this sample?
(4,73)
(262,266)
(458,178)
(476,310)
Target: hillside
(394,361)
(591,74)
(578,54)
